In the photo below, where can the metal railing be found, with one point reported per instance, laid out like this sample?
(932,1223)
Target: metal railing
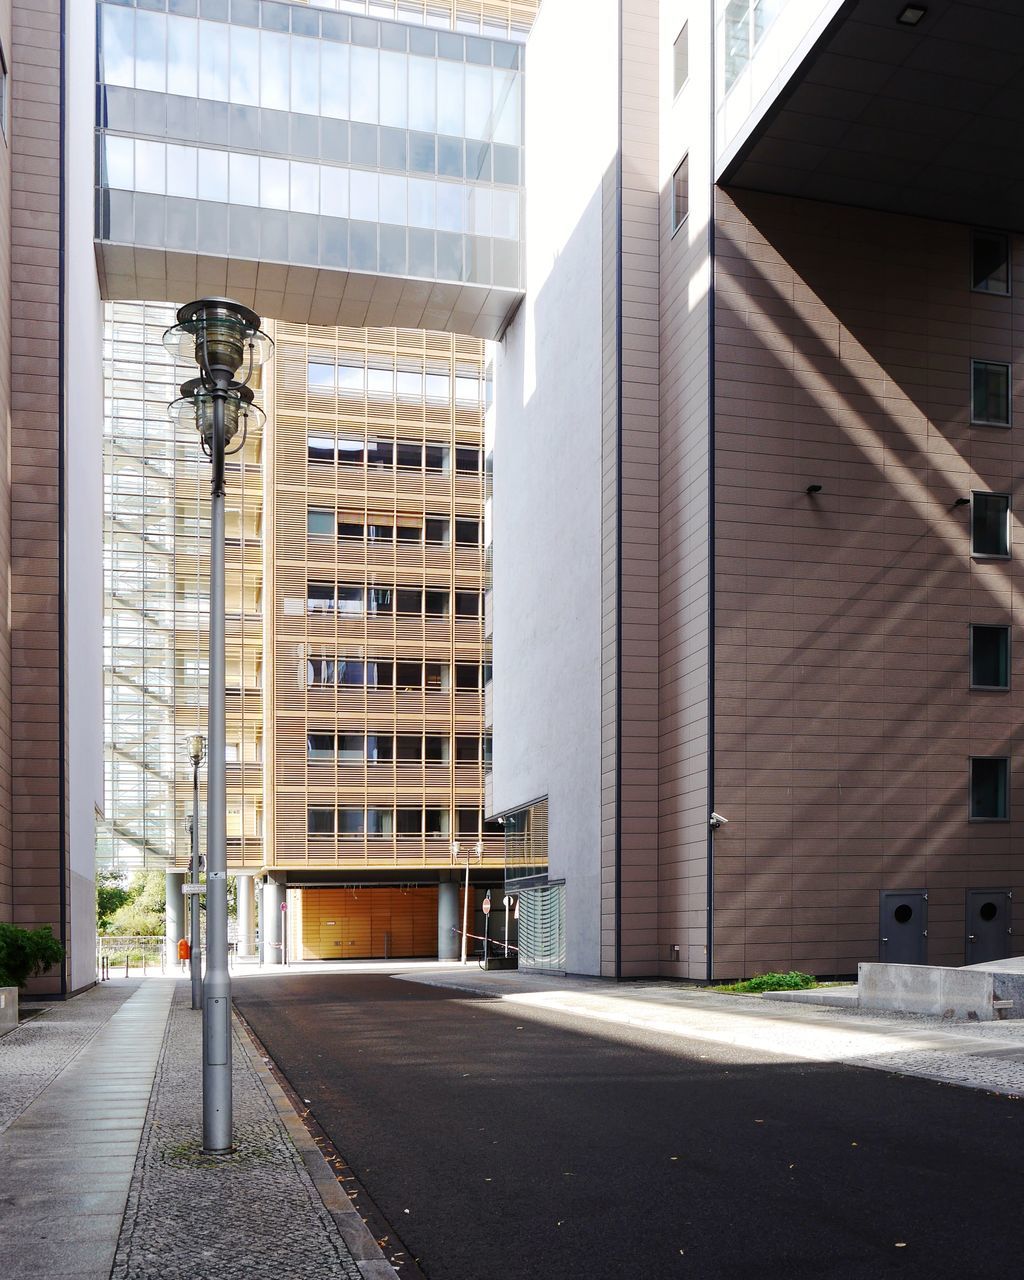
(116,955)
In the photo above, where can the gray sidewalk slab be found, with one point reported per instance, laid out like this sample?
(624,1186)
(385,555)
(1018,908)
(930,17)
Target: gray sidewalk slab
(977,1055)
(64,1183)
(272,1210)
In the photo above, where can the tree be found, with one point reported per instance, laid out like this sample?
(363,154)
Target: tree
(24,953)
(111,893)
(141,914)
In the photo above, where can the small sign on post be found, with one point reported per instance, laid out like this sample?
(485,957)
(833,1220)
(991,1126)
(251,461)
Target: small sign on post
(487,918)
(193,888)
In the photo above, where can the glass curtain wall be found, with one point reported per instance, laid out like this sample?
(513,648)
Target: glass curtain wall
(156,571)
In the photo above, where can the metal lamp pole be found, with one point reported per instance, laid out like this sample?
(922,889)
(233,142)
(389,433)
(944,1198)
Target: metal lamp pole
(221,336)
(477,849)
(197,754)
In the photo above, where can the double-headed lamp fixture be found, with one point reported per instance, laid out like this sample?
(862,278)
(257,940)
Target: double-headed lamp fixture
(225,340)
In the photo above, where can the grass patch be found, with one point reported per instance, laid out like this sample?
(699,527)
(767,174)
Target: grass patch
(792,981)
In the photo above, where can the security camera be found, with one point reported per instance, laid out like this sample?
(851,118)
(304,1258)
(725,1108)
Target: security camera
(716,820)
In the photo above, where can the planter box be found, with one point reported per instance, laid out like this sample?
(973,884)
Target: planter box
(8,1009)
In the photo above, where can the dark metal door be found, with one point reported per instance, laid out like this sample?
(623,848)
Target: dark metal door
(903,926)
(989,925)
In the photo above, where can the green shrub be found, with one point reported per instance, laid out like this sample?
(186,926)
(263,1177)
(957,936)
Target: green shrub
(24,953)
(792,981)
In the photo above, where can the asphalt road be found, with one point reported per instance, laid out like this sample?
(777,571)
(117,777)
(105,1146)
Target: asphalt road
(505,1145)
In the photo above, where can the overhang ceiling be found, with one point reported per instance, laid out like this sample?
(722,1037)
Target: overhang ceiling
(925,120)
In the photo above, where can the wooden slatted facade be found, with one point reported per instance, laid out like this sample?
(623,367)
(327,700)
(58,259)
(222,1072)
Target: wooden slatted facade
(297,704)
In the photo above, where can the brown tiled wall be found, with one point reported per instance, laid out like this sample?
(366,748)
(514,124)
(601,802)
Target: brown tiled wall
(843,717)
(7,872)
(36,596)
(684,599)
(634,615)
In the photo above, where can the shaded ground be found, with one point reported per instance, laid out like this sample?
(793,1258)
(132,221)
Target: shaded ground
(500,1143)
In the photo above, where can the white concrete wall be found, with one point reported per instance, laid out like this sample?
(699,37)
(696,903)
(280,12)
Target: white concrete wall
(83,336)
(547,463)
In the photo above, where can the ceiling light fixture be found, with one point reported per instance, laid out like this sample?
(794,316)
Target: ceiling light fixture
(912,14)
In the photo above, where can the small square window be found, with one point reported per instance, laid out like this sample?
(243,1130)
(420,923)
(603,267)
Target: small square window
(467,675)
(380,454)
(320,822)
(990,657)
(436,529)
(410,455)
(435,604)
(408,748)
(990,262)
(320,448)
(467,533)
(380,675)
(350,822)
(680,60)
(680,194)
(436,457)
(350,748)
(989,800)
(320,597)
(467,749)
(349,528)
(350,598)
(320,746)
(319,672)
(409,822)
(321,376)
(467,604)
(351,672)
(435,677)
(409,532)
(410,600)
(350,452)
(468,822)
(380,599)
(990,524)
(436,822)
(376,531)
(320,523)
(380,822)
(467,460)
(990,392)
(380,748)
(436,749)
(408,675)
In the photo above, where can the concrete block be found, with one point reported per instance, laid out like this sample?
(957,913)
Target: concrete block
(8,1009)
(967,994)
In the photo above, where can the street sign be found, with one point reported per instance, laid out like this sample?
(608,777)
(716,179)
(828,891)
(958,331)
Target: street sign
(193,888)
(506,902)
(487,903)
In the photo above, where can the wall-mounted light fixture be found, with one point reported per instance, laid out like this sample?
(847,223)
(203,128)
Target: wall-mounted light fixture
(812,489)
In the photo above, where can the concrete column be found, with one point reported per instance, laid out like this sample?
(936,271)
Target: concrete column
(448,923)
(273,896)
(245,894)
(174,927)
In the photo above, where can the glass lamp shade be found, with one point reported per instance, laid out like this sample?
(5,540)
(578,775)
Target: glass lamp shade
(197,748)
(194,408)
(221,336)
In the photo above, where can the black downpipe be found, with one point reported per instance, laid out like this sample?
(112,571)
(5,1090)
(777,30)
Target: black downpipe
(710,874)
(61,514)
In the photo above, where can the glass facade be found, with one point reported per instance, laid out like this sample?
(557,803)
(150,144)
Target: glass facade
(156,567)
(315,139)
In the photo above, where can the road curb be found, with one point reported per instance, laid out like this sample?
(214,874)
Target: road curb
(358,1237)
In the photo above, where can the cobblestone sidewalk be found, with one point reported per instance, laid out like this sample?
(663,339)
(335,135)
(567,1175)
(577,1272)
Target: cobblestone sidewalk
(255,1214)
(33,1054)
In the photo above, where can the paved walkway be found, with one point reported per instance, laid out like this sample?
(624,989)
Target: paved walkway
(101,1168)
(976,1055)
(66,1161)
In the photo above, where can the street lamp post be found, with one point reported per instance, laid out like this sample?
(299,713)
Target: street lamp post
(477,850)
(197,754)
(222,337)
